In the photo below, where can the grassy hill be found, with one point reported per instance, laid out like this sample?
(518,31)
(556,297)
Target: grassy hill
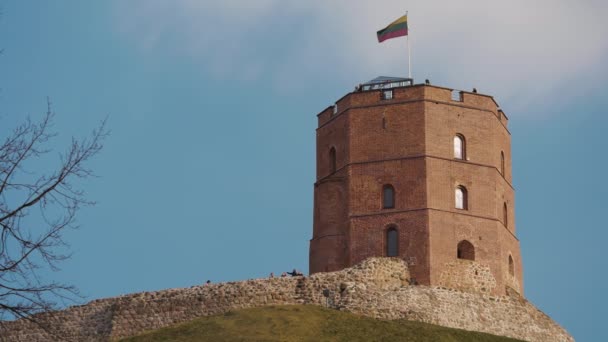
(307,323)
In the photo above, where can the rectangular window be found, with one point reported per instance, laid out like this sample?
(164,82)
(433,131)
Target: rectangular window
(389,198)
(392,245)
(335,109)
(387,95)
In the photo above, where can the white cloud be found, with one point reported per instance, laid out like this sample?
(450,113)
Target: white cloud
(522,51)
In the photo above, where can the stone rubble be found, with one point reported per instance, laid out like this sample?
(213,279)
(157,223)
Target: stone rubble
(377,287)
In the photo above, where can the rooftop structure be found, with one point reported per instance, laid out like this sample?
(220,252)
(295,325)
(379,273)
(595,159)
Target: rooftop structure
(384,82)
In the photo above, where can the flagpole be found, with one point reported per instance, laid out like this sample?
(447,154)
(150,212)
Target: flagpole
(409,59)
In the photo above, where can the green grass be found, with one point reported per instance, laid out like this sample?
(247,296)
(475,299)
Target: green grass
(307,323)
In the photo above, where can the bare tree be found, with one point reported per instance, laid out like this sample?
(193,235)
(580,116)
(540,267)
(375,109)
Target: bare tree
(36,207)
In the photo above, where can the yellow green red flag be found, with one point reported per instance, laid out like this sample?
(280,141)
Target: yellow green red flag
(397,28)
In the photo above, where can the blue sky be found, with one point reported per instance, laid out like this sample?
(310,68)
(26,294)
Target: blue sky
(209,171)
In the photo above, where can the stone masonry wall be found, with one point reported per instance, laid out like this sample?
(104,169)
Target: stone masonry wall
(467,276)
(377,287)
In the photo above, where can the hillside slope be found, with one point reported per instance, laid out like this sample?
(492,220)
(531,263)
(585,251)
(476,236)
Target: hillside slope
(307,323)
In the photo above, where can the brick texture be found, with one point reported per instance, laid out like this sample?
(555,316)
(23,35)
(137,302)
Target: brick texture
(407,142)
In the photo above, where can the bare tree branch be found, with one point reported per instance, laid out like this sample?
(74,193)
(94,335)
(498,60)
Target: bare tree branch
(33,240)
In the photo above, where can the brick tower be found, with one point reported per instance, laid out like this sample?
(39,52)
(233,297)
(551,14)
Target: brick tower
(422,173)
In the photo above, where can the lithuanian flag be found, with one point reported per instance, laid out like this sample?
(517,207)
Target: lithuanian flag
(397,28)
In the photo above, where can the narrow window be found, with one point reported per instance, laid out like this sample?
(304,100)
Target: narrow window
(332,160)
(392,243)
(388,197)
(465,250)
(459,147)
(511,266)
(460,197)
(502,163)
(387,94)
(505,215)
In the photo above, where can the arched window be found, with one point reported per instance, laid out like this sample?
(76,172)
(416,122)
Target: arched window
(460,198)
(465,250)
(505,215)
(388,197)
(392,242)
(511,266)
(332,160)
(502,163)
(459,147)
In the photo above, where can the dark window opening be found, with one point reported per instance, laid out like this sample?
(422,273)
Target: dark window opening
(505,215)
(332,160)
(502,163)
(465,250)
(392,243)
(388,197)
(511,266)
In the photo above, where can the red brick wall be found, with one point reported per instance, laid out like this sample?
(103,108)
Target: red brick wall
(334,134)
(407,176)
(386,132)
(408,142)
(447,229)
(328,247)
(368,239)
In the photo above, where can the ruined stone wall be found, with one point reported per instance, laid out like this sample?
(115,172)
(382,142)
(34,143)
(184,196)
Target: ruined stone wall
(467,276)
(378,287)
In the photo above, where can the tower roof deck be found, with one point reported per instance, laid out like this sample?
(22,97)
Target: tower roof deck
(383,91)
